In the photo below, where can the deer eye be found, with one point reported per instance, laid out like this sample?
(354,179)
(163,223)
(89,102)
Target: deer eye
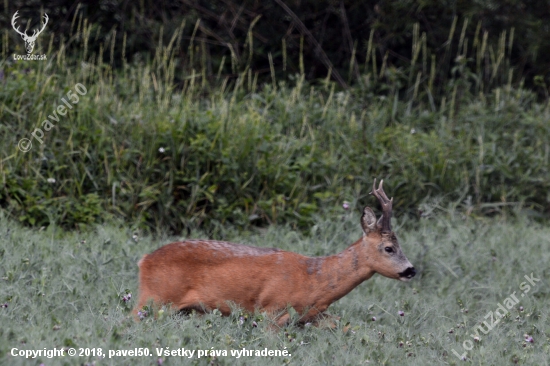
(388,249)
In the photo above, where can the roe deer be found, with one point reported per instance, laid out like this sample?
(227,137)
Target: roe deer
(206,274)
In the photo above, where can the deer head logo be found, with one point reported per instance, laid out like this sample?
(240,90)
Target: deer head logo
(29,40)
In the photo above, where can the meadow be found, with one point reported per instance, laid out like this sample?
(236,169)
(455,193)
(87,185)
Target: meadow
(66,289)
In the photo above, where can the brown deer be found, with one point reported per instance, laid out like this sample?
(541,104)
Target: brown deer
(207,274)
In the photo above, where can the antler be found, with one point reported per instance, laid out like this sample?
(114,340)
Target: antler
(13,24)
(43,26)
(386,203)
(25,35)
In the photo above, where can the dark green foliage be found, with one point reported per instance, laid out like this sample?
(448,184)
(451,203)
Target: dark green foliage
(168,143)
(274,155)
(230,30)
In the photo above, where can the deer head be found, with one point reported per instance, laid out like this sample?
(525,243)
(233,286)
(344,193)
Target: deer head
(383,251)
(29,40)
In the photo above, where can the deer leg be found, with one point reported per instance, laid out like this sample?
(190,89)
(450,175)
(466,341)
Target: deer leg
(283,320)
(324,320)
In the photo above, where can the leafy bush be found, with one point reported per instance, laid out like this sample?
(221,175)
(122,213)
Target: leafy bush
(140,147)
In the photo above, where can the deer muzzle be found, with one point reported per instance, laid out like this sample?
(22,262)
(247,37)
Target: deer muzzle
(407,274)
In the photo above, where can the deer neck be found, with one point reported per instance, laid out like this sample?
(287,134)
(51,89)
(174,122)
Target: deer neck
(338,274)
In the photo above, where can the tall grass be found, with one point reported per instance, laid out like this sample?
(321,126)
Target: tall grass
(162,146)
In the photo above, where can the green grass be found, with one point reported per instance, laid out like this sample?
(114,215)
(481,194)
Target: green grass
(63,289)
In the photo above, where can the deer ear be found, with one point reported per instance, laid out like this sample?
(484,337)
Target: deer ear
(368,220)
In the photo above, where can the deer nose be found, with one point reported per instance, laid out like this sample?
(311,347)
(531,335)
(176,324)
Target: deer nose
(409,273)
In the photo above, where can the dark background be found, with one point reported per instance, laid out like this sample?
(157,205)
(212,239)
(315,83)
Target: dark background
(331,30)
